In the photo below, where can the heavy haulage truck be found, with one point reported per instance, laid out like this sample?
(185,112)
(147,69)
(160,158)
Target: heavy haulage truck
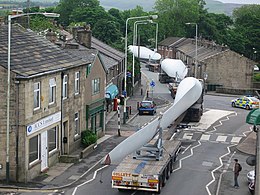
(146,159)
(148,169)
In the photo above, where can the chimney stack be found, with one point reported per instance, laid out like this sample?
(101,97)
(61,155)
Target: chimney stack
(84,36)
(51,36)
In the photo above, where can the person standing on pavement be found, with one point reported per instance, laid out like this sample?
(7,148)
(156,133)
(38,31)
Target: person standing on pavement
(236,170)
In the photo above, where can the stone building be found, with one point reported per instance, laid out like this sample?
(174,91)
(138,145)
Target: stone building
(218,64)
(54,96)
(112,59)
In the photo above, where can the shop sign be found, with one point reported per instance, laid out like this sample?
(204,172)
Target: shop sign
(43,123)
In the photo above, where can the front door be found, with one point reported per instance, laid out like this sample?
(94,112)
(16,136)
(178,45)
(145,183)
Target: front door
(44,151)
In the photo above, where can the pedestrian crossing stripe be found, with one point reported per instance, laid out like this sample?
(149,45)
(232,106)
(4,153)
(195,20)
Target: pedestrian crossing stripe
(215,138)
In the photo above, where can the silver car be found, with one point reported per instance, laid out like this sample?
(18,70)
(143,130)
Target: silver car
(250,176)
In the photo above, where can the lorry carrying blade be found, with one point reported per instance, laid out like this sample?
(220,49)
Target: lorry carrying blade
(174,68)
(132,143)
(144,53)
(188,93)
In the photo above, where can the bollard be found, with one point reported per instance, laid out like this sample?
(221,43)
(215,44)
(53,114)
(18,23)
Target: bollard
(130,110)
(137,105)
(141,91)
(147,94)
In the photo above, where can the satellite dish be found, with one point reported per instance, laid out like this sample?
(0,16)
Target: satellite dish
(251,160)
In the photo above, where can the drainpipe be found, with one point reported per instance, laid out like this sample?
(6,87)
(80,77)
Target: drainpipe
(17,128)
(61,121)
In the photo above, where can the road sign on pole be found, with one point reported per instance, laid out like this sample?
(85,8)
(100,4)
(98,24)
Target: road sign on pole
(152,83)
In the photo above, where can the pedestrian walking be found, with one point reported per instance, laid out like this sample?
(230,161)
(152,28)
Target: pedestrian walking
(236,169)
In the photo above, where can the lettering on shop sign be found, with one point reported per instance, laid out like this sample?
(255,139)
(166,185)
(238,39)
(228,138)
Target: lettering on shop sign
(43,123)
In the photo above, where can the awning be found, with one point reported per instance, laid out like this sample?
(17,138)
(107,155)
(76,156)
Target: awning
(111,91)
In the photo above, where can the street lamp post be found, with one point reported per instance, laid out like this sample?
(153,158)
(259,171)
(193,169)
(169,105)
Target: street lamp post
(135,43)
(125,72)
(10,17)
(196,49)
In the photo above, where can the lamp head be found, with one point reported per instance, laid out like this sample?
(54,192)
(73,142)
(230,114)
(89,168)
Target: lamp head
(51,15)
(153,17)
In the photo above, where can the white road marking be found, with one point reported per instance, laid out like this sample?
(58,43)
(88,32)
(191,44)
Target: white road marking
(212,172)
(236,139)
(187,135)
(205,137)
(221,138)
(220,122)
(186,149)
(191,154)
(93,178)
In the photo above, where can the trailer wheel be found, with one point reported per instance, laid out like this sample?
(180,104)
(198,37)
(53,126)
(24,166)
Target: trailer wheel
(164,177)
(160,186)
(171,166)
(168,171)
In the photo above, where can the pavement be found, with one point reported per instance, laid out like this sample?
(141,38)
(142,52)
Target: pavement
(66,174)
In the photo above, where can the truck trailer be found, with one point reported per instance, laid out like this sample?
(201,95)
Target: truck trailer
(144,171)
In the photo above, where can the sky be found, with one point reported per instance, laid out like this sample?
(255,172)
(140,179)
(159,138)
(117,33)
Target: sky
(241,1)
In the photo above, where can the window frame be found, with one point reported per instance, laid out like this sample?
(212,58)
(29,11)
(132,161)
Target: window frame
(65,87)
(52,91)
(95,86)
(56,140)
(35,92)
(76,124)
(38,151)
(77,83)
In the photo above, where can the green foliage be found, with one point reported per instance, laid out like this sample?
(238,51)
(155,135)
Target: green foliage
(88,137)
(257,77)
(66,7)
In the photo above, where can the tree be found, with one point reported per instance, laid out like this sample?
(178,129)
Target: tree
(247,25)
(106,30)
(173,14)
(66,7)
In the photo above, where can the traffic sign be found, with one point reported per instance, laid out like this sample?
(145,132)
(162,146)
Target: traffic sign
(152,83)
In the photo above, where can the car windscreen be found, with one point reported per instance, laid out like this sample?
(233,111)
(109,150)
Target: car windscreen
(146,104)
(254,99)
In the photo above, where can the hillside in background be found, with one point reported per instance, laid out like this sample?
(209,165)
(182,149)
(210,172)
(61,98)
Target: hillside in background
(213,6)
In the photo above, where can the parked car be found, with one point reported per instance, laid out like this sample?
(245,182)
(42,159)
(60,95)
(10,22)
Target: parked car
(147,107)
(247,102)
(250,176)
(251,187)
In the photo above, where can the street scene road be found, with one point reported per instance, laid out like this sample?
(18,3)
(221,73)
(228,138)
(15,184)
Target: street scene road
(206,159)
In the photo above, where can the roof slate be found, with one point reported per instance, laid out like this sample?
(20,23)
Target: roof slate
(32,54)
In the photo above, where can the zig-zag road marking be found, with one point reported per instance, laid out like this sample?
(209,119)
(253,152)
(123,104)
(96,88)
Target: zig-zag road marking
(221,164)
(220,123)
(191,154)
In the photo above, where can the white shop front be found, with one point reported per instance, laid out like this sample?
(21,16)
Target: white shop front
(42,137)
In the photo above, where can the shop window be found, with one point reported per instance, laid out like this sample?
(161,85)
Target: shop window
(65,87)
(76,83)
(33,149)
(52,139)
(52,91)
(76,120)
(37,93)
(95,86)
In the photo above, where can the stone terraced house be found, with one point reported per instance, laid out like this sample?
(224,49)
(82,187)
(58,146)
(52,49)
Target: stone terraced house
(55,95)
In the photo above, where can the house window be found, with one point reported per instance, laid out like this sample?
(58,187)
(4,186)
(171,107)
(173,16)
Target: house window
(95,86)
(52,92)
(52,139)
(76,119)
(65,87)
(76,83)
(33,149)
(37,92)
(88,69)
